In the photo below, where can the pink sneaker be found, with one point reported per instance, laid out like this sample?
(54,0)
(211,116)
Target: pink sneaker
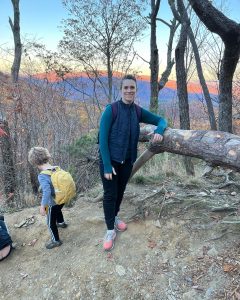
(108,242)
(120,225)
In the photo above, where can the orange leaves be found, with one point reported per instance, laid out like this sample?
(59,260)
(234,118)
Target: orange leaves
(228,267)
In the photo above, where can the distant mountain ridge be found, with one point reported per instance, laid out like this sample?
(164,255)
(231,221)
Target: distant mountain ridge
(80,79)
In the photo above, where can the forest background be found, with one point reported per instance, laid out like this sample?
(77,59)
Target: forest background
(54,96)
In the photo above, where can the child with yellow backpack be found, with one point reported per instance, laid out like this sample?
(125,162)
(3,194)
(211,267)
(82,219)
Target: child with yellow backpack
(58,188)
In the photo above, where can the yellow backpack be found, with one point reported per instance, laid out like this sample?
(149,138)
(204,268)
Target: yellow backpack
(63,184)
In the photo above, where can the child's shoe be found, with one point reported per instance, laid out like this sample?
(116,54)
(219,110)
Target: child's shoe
(62,225)
(109,238)
(120,225)
(53,244)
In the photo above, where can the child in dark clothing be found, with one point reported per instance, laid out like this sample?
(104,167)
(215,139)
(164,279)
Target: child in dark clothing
(5,240)
(39,157)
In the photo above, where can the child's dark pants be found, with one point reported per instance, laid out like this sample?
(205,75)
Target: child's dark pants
(54,216)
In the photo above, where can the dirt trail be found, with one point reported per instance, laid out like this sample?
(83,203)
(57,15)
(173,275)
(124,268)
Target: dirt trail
(171,258)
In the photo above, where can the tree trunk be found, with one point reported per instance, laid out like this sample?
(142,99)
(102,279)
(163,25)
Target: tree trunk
(215,147)
(182,87)
(154,60)
(15,26)
(9,177)
(9,174)
(184,18)
(33,179)
(227,70)
(229,31)
(170,62)
(110,75)
(32,172)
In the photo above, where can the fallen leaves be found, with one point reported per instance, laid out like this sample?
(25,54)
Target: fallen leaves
(152,244)
(228,267)
(109,256)
(33,242)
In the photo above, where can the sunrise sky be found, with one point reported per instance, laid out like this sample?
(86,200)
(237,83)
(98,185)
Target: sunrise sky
(41,21)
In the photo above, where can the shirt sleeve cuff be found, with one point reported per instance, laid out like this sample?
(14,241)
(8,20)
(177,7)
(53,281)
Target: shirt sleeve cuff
(159,130)
(107,169)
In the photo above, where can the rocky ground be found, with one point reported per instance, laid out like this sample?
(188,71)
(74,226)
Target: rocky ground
(182,242)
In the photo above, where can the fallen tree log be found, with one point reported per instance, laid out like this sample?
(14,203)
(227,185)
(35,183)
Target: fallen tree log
(215,147)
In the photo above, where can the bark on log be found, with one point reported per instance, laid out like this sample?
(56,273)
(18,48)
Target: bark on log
(215,147)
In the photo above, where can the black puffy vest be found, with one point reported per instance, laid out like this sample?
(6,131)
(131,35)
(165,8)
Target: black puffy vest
(124,133)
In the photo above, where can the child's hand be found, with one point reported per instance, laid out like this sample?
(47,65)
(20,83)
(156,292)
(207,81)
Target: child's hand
(42,210)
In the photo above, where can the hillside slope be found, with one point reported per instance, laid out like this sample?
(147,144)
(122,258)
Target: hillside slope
(174,248)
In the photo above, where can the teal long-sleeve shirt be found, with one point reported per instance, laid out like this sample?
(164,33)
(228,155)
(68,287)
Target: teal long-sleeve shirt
(105,125)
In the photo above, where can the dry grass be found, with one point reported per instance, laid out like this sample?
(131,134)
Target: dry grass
(166,165)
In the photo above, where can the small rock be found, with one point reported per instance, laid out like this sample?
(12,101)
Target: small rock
(33,242)
(78,295)
(165,261)
(197,287)
(209,293)
(189,295)
(233,193)
(203,194)
(120,270)
(189,280)
(15,245)
(157,224)
(95,220)
(212,252)
(171,297)
(213,191)
(97,199)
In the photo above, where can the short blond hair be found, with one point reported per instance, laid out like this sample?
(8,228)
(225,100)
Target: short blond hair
(38,156)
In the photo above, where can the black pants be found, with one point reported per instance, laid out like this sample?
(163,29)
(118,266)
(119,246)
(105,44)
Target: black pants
(54,216)
(114,190)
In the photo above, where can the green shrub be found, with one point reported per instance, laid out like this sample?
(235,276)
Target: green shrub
(83,146)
